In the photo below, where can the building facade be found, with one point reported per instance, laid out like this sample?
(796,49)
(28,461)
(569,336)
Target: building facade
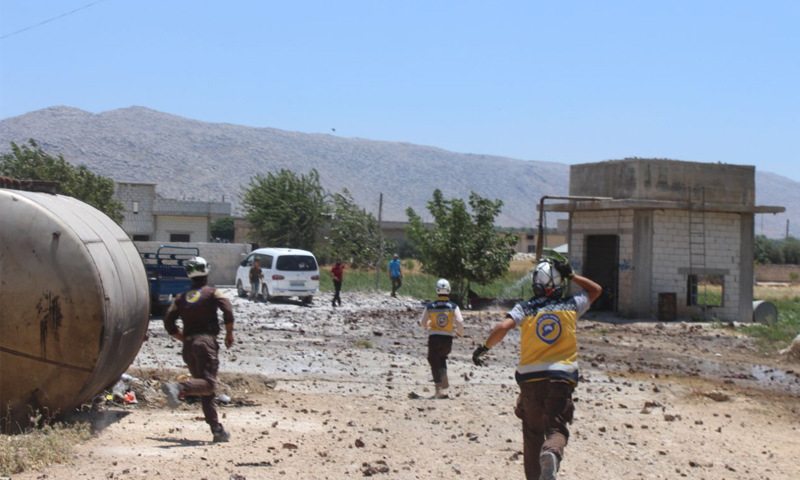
(670,240)
(147,217)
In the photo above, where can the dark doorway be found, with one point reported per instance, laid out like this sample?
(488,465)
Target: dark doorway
(602,266)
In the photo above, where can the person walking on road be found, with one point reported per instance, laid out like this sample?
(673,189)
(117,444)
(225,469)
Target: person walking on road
(440,319)
(395,274)
(337,274)
(548,368)
(256,276)
(197,308)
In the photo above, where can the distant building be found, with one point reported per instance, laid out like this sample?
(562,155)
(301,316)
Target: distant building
(526,241)
(241,231)
(147,217)
(395,231)
(675,241)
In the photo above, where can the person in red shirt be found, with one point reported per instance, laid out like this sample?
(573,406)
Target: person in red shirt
(337,274)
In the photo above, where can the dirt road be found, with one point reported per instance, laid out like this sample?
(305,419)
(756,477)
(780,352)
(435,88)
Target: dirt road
(320,393)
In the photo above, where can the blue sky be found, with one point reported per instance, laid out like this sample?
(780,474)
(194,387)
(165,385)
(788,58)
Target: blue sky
(570,82)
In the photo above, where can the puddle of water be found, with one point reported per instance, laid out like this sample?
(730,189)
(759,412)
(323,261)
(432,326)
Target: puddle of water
(764,376)
(773,376)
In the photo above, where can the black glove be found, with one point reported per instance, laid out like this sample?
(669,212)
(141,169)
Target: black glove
(565,269)
(476,355)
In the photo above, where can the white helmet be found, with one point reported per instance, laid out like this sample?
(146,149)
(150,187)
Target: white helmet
(546,280)
(443,287)
(197,267)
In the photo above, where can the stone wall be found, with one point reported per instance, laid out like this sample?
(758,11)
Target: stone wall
(223,257)
(776,273)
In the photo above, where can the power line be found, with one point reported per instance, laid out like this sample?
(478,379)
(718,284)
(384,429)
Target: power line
(51,19)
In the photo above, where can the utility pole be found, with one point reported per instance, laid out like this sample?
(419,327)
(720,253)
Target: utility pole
(380,232)
(787,229)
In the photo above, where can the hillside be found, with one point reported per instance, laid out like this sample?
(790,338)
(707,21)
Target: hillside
(193,159)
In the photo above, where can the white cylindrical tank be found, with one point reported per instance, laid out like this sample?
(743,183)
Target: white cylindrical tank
(74,304)
(764,312)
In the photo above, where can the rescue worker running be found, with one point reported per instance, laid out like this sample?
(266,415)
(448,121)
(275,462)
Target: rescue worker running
(439,319)
(548,369)
(197,308)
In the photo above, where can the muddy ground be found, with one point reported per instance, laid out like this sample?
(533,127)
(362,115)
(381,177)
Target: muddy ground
(323,393)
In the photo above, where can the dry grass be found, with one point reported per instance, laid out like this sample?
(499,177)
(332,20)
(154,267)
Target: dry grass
(521,267)
(776,290)
(40,447)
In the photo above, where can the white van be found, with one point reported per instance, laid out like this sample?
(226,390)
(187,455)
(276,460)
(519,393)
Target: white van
(288,272)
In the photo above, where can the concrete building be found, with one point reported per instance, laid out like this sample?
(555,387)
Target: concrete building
(526,241)
(147,217)
(675,239)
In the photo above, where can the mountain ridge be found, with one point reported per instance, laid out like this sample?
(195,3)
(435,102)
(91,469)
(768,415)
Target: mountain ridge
(189,158)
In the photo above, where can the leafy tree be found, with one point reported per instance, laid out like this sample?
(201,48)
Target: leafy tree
(405,248)
(30,162)
(285,209)
(354,233)
(222,228)
(762,249)
(462,247)
(791,251)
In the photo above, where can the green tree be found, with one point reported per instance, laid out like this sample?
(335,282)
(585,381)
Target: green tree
(762,248)
(222,228)
(30,162)
(354,233)
(463,247)
(791,251)
(285,209)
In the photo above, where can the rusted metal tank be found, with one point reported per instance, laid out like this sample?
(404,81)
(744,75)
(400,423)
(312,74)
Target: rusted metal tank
(74,304)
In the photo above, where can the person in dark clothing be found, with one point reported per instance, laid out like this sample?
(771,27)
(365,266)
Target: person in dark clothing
(197,308)
(256,275)
(442,319)
(337,274)
(547,372)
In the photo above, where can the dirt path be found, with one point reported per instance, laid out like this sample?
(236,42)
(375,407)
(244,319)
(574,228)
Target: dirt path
(655,401)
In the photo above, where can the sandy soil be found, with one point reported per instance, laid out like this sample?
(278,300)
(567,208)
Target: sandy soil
(322,393)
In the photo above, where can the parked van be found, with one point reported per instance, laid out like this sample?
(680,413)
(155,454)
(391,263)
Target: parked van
(288,272)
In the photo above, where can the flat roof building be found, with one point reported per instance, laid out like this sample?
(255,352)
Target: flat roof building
(675,240)
(148,217)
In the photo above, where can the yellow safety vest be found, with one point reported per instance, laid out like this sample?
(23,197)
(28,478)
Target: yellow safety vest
(548,341)
(441,314)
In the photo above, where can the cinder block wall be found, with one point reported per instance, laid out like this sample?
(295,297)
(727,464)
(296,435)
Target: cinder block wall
(136,223)
(671,259)
(197,227)
(224,257)
(612,222)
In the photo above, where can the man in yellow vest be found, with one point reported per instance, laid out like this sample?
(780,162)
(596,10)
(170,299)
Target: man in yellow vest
(548,368)
(441,318)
